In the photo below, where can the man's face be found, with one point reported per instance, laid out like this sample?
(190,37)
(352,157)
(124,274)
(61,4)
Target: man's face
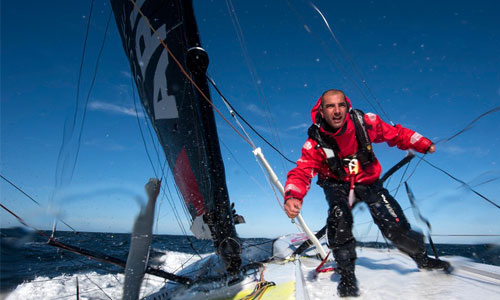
(333,110)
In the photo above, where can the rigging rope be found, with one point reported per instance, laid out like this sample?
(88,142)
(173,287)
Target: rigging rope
(346,56)
(467,127)
(233,111)
(245,121)
(261,286)
(88,278)
(70,133)
(36,202)
(205,97)
(81,63)
(163,176)
(140,129)
(335,62)
(242,167)
(462,182)
(72,161)
(89,93)
(470,125)
(419,216)
(256,80)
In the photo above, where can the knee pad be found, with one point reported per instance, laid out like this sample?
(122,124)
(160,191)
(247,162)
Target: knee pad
(339,226)
(345,257)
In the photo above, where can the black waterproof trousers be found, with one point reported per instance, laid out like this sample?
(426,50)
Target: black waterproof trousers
(386,213)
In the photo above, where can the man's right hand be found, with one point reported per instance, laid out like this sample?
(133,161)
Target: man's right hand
(292,207)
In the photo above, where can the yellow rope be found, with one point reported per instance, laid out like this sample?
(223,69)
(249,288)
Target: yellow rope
(260,288)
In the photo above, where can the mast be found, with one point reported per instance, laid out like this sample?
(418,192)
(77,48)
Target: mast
(183,120)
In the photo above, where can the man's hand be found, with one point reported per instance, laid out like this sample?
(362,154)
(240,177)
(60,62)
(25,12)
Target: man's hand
(432,149)
(292,207)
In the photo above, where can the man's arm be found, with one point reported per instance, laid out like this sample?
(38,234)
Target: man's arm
(396,135)
(299,178)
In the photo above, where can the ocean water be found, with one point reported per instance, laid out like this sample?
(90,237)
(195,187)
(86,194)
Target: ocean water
(30,269)
(27,262)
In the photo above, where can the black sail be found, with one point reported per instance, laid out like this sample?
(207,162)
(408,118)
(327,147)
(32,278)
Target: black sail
(182,118)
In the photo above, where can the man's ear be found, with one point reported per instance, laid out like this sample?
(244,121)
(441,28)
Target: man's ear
(321,110)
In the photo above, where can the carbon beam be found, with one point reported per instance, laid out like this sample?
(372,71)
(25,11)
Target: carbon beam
(118,262)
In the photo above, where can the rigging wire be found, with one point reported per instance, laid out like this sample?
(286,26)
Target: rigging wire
(161,199)
(68,134)
(245,121)
(146,148)
(232,111)
(256,80)
(346,56)
(81,63)
(140,129)
(199,255)
(492,235)
(401,180)
(170,200)
(73,161)
(486,181)
(462,182)
(184,72)
(243,167)
(470,125)
(466,128)
(91,281)
(333,59)
(36,202)
(90,91)
(148,126)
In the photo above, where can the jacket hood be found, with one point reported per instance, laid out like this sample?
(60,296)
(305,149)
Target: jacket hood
(315,110)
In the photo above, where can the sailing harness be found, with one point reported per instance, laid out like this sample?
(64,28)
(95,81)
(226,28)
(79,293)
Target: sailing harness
(364,156)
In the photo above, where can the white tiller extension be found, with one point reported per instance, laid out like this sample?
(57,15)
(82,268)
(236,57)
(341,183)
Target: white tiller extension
(274,179)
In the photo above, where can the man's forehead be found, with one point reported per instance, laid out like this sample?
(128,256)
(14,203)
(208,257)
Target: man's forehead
(334,97)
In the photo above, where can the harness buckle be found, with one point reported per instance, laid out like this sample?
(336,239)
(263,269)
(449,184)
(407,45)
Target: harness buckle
(353,166)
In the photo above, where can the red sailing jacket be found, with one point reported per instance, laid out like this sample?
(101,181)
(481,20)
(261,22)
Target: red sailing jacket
(313,160)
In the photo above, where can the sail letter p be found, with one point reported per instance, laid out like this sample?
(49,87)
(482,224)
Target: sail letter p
(147,43)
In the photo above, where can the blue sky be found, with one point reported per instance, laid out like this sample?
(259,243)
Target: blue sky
(432,66)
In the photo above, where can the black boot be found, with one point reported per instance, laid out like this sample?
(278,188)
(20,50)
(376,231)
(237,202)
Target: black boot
(345,258)
(348,285)
(425,262)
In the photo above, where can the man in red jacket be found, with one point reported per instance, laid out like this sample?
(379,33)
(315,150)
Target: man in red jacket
(349,172)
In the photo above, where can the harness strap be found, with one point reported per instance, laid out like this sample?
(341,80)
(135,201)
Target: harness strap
(365,150)
(330,148)
(364,154)
(353,171)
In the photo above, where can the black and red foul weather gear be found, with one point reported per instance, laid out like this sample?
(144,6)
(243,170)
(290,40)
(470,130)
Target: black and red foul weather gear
(346,145)
(329,153)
